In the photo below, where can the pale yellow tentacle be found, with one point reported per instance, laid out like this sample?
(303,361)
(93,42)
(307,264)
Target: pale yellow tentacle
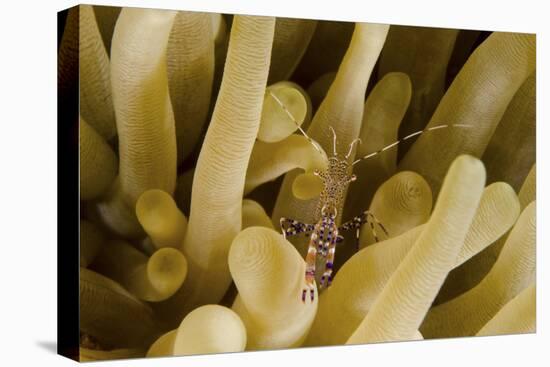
(219,178)
(210,329)
(384,109)
(190,62)
(96,103)
(98,163)
(269,274)
(399,310)
(478,96)
(144,118)
(514,270)
(511,151)
(516,317)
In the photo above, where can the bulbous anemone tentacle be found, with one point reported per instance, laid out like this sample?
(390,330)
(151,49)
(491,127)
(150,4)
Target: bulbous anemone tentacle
(478,96)
(497,213)
(160,217)
(269,275)
(254,215)
(145,121)
(344,103)
(219,178)
(513,271)
(399,310)
(152,279)
(384,109)
(516,317)
(401,203)
(96,103)
(342,108)
(163,346)
(511,151)
(286,107)
(475,269)
(528,190)
(190,59)
(210,329)
(271,160)
(98,163)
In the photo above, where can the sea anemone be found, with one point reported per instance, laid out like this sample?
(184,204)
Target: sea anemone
(190,155)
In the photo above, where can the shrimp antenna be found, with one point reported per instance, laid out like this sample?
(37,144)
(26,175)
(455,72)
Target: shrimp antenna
(370,155)
(311,141)
(333,140)
(358,140)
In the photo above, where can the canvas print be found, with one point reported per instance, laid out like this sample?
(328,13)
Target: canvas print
(255,183)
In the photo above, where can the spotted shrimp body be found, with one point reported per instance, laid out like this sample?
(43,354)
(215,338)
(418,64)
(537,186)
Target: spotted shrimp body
(325,234)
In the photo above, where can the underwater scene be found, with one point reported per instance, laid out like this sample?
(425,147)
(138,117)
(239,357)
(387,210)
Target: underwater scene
(257,183)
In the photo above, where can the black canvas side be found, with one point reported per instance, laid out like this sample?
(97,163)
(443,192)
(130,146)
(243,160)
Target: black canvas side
(68,185)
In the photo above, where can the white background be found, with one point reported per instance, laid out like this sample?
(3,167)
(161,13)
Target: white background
(28,182)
